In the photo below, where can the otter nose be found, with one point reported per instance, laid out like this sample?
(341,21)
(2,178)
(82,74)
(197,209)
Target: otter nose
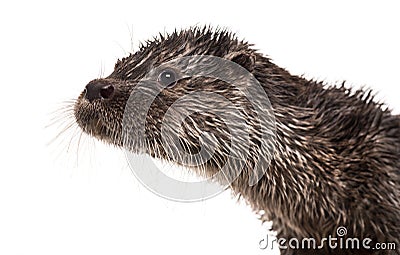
(98,89)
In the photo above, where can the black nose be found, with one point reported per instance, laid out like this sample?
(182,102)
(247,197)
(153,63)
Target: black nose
(98,89)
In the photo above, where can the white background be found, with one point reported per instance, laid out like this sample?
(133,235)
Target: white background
(85,200)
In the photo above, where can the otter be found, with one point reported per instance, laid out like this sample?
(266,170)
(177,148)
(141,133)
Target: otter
(335,161)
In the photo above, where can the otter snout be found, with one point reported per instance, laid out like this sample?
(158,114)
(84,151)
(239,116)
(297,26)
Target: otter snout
(99,89)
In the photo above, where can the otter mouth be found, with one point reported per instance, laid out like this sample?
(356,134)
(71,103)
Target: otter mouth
(90,120)
(96,126)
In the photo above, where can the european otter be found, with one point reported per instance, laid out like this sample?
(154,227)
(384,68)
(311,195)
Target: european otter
(335,157)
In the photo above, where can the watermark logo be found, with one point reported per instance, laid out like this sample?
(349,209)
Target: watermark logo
(330,242)
(341,231)
(164,138)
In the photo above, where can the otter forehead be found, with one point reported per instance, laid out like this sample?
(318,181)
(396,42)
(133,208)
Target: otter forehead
(195,41)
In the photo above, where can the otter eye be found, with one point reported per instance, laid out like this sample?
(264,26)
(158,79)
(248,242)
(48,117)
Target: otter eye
(167,77)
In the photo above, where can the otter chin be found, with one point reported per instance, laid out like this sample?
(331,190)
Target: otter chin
(333,153)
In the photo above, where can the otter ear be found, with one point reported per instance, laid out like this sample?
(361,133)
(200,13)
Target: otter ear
(243,58)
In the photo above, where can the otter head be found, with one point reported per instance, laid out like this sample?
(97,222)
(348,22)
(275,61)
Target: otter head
(190,97)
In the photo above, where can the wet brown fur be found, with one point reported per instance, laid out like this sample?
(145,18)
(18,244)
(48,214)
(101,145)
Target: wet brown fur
(337,156)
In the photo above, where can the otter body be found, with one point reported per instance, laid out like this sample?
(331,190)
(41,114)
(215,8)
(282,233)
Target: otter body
(336,161)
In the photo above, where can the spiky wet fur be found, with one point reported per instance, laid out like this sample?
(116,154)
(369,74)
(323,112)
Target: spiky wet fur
(337,156)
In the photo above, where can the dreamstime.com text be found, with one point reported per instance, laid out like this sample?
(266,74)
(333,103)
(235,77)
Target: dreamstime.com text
(339,242)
